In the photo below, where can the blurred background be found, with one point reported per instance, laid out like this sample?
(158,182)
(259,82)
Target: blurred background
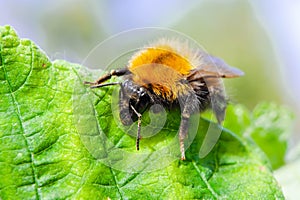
(259,37)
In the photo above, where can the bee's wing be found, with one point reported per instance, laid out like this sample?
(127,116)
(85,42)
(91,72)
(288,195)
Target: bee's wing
(214,67)
(210,71)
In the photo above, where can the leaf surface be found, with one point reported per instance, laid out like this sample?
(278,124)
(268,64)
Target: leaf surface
(59,139)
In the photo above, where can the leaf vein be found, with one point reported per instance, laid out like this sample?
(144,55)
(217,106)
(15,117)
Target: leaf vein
(209,187)
(17,111)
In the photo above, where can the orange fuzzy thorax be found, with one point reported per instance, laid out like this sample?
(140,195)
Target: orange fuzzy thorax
(160,68)
(162,56)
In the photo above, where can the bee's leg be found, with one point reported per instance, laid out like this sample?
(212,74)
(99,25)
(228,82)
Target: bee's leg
(190,105)
(117,72)
(183,130)
(219,104)
(218,97)
(138,137)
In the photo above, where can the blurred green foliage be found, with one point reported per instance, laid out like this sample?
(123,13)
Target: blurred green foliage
(269,125)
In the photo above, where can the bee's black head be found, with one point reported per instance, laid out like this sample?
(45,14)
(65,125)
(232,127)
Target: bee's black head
(133,98)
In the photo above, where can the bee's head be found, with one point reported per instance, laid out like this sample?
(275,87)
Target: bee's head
(132,96)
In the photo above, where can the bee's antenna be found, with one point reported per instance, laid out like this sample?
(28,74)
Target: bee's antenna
(103,85)
(114,72)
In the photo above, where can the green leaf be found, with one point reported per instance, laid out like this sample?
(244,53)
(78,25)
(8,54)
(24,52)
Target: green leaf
(238,119)
(269,125)
(59,139)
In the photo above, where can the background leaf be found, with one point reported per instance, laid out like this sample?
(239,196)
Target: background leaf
(270,128)
(269,125)
(49,151)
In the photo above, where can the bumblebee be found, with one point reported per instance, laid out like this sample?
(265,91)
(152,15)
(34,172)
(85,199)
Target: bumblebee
(171,74)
